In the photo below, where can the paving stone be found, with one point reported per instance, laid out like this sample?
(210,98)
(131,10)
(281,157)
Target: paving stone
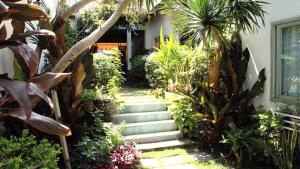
(150,162)
(173,160)
(182,166)
(201,156)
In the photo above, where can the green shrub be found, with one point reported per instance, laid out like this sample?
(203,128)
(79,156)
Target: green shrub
(184,117)
(99,140)
(137,72)
(108,65)
(269,126)
(153,74)
(26,152)
(90,94)
(165,64)
(93,149)
(114,133)
(241,141)
(168,57)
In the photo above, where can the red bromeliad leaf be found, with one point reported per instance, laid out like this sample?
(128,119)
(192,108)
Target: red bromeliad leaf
(11,0)
(42,123)
(49,80)
(26,12)
(8,43)
(33,89)
(43,32)
(27,58)
(20,90)
(4,11)
(25,55)
(3,33)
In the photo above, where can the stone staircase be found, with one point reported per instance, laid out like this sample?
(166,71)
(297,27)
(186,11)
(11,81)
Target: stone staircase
(150,126)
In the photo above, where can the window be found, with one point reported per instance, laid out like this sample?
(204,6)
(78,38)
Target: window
(286,61)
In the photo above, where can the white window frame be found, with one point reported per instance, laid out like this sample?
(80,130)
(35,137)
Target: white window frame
(276,61)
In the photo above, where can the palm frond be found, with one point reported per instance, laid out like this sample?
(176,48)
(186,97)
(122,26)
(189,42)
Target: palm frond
(246,15)
(193,19)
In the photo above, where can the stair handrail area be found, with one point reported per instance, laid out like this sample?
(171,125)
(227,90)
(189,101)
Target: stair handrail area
(289,120)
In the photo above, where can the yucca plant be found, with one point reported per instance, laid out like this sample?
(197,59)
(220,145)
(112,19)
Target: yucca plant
(208,22)
(283,155)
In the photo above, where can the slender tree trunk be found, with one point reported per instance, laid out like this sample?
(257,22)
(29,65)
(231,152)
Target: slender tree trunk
(213,72)
(83,44)
(75,8)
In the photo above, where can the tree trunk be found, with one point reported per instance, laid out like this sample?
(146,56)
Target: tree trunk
(88,41)
(213,72)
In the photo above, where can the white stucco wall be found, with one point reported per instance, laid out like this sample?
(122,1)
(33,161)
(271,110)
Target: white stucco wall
(6,55)
(260,44)
(6,59)
(152,29)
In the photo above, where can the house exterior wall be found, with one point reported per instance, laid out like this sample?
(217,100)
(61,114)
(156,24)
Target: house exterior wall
(260,46)
(6,59)
(152,29)
(6,55)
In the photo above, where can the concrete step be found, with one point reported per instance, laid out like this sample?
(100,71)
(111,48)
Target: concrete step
(164,144)
(142,117)
(149,127)
(154,137)
(144,107)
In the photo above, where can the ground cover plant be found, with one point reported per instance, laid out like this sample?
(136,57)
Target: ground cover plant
(26,152)
(206,164)
(125,156)
(54,37)
(213,98)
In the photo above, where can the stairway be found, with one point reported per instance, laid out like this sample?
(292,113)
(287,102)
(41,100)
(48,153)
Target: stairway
(150,126)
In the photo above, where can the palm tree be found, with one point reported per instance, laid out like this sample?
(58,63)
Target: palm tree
(207,22)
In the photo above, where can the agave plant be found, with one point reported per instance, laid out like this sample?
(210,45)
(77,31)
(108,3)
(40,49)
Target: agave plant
(18,98)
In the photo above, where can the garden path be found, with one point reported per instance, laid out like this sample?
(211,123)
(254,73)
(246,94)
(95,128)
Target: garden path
(180,158)
(152,128)
(148,123)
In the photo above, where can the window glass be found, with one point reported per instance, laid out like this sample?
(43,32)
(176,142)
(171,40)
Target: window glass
(290,61)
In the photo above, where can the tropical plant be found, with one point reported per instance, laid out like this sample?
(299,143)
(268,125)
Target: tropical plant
(208,22)
(108,66)
(60,56)
(26,152)
(283,155)
(182,112)
(162,65)
(137,72)
(153,73)
(125,156)
(94,147)
(90,20)
(241,140)
(19,97)
(269,126)
(215,107)
(90,94)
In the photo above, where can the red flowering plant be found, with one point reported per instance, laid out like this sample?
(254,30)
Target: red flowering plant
(125,156)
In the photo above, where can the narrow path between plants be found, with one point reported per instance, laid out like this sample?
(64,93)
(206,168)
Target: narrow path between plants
(141,108)
(148,123)
(180,158)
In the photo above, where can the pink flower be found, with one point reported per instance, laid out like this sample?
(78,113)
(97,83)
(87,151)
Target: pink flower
(172,87)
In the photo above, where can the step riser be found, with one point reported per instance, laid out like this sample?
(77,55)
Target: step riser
(135,118)
(163,145)
(135,108)
(163,127)
(155,139)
